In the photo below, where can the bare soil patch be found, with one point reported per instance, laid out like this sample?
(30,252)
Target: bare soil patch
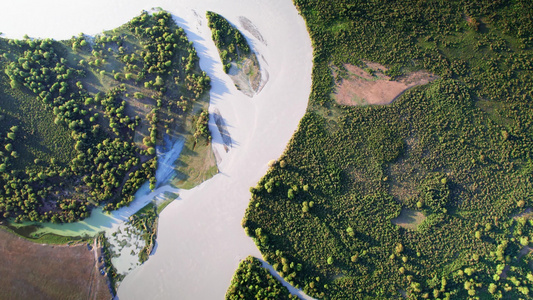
(246,75)
(370,86)
(36,271)
(527,213)
(407,172)
(409,219)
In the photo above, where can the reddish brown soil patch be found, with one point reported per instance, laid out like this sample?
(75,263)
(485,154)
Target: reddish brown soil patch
(359,87)
(35,271)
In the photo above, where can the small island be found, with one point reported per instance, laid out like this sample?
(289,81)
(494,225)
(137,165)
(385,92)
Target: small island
(238,60)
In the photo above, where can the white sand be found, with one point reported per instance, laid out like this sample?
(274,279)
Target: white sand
(200,239)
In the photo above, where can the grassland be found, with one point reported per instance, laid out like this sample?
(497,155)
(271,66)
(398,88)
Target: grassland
(196,163)
(39,137)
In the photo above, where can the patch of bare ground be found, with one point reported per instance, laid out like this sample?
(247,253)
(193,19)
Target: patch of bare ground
(409,219)
(35,271)
(524,251)
(527,213)
(246,75)
(370,86)
(406,173)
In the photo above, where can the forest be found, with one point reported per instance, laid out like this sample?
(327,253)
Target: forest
(457,152)
(80,119)
(238,59)
(252,281)
(230,42)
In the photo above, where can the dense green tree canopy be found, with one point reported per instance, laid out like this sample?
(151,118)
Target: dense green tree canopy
(458,149)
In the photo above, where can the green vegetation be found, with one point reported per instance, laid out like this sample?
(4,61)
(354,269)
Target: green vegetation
(38,137)
(25,232)
(459,149)
(230,42)
(168,198)
(80,119)
(252,281)
(145,220)
(109,269)
(201,125)
(237,58)
(196,163)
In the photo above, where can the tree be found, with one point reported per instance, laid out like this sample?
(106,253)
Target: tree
(290,194)
(492,288)
(159,81)
(350,232)
(399,248)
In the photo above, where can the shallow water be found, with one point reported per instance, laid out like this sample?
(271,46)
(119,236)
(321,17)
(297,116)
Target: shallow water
(99,220)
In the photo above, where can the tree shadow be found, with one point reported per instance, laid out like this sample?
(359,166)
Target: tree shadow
(208,63)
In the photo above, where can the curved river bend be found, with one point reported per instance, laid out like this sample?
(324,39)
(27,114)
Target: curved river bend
(200,239)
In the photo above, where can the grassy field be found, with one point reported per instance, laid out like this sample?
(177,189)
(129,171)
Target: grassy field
(168,198)
(39,137)
(48,272)
(197,161)
(195,165)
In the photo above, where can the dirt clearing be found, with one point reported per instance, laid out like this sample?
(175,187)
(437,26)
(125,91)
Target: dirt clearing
(36,271)
(370,86)
(409,219)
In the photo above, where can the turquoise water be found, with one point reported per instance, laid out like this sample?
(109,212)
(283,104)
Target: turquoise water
(101,221)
